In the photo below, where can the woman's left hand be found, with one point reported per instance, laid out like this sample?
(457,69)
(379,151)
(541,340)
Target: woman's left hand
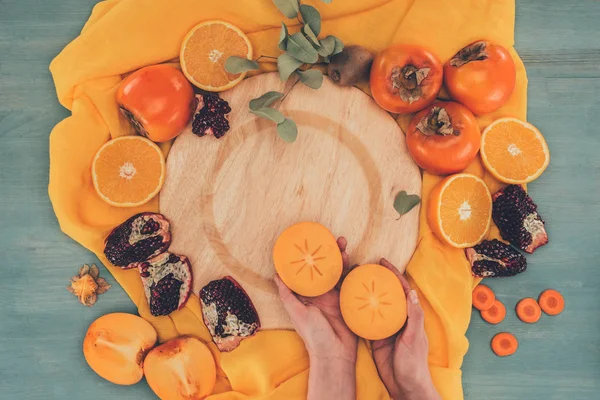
(330,344)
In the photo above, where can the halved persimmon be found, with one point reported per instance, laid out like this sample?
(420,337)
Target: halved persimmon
(308,259)
(373,302)
(460,210)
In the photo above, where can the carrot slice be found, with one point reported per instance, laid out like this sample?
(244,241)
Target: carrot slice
(495,314)
(528,310)
(552,302)
(483,298)
(504,344)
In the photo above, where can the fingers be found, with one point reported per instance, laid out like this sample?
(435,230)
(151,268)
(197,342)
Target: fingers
(294,307)
(415,326)
(342,244)
(400,276)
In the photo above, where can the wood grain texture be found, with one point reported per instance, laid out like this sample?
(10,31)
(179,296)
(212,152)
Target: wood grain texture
(229,199)
(42,325)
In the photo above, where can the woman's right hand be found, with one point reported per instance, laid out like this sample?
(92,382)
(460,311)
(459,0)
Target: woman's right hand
(402,359)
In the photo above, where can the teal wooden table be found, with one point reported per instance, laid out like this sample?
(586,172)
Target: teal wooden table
(42,325)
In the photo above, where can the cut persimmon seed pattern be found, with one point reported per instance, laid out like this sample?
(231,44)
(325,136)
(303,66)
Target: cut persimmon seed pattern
(514,151)
(483,298)
(504,344)
(308,259)
(372,302)
(551,302)
(460,210)
(495,314)
(205,50)
(128,171)
(528,310)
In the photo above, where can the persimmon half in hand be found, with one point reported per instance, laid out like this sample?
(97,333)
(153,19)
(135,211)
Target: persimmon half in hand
(481,76)
(158,101)
(405,79)
(444,138)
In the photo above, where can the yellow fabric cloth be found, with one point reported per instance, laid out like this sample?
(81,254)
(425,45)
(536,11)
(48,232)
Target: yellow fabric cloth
(123,35)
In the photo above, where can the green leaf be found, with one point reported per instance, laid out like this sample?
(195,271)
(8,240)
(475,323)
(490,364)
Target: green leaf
(338,46)
(327,1)
(286,64)
(287,130)
(313,78)
(327,46)
(300,48)
(405,202)
(283,37)
(311,17)
(265,100)
(312,38)
(269,113)
(289,8)
(236,65)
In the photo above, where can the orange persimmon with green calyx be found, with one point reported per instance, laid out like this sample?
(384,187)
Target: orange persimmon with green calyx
(551,302)
(158,101)
(180,369)
(504,344)
(495,314)
(115,346)
(372,302)
(483,298)
(528,310)
(460,210)
(308,259)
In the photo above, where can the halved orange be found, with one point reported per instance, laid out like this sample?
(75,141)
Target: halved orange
(460,210)
(128,171)
(514,151)
(204,52)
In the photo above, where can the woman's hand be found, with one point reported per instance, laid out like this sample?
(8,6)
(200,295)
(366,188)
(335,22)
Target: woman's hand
(402,359)
(331,346)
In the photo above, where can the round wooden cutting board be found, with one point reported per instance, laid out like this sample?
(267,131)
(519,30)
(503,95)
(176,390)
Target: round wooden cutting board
(228,199)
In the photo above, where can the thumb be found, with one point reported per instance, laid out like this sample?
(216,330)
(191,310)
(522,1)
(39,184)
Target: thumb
(415,326)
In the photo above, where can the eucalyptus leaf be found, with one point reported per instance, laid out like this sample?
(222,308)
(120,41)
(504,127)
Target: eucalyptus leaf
(236,65)
(289,8)
(300,48)
(269,113)
(327,46)
(327,1)
(283,37)
(312,38)
(287,130)
(313,78)
(339,46)
(265,100)
(404,202)
(286,64)
(311,17)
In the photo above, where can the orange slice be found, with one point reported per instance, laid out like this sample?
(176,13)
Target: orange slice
(460,210)
(204,52)
(128,171)
(308,259)
(514,151)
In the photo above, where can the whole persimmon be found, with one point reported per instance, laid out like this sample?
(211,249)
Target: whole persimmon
(158,101)
(444,138)
(405,78)
(481,76)
(115,346)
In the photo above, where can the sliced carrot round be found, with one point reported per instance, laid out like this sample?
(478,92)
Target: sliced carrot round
(495,314)
(528,310)
(483,298)
(552,302)
(504,344)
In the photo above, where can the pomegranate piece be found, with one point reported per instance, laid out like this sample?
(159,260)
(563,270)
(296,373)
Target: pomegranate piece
(228,313)
(211,119)
(492,258)
(515,214)
(167,280)
(141,237)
